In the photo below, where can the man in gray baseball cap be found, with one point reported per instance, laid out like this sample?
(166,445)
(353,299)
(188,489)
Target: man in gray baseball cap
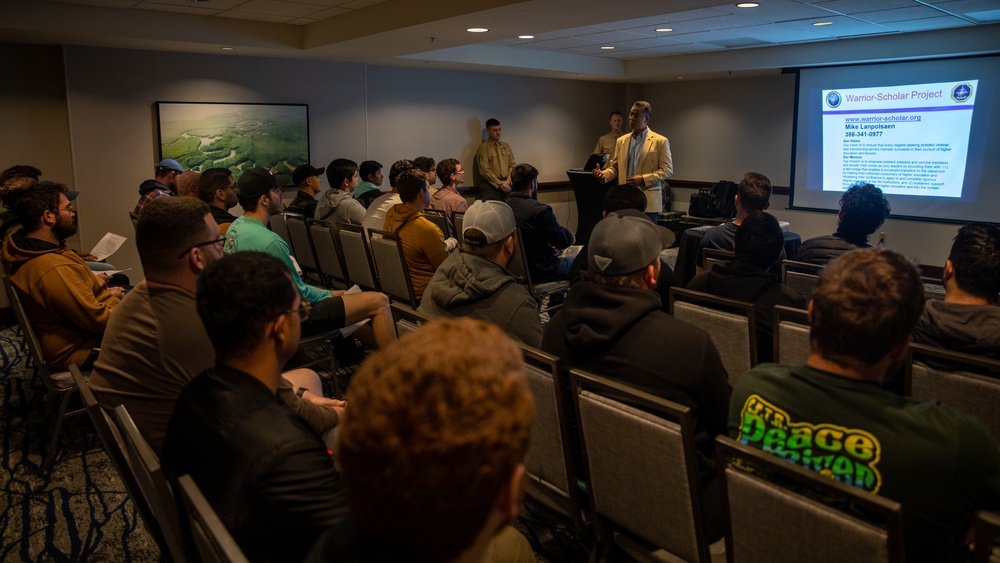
(611,324)
(474,282)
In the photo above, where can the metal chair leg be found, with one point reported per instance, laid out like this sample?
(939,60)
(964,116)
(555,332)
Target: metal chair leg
(50,453)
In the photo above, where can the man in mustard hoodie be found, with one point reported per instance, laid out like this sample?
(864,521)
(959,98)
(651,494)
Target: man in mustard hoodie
(423,243)
(67,304)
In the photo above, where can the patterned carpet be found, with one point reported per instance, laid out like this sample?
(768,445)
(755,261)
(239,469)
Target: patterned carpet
(80,511)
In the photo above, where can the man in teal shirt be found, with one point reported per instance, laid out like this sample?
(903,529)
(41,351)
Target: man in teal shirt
(260,197)
(832,416)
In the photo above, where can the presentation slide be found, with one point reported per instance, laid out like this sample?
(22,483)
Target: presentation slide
(919,131)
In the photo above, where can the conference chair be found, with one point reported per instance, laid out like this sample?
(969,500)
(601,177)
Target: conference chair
(518,266)
(800,276)
(329,258)
(393,274)
(643,472)
(730,323)
(114,446)
(134,218)
(552,471)
(406,318)
(791,335)
(144,467)
(773,512)
(968,383)
(302,246)
(987,537)
(357,257)
(457,218)
(277,225)
(712,257)
(440,218)
(211,539)
(59,385)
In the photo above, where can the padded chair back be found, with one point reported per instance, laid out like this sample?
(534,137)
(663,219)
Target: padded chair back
(393,274)
(549,460)
(518,266)
(791,335)
(144,466)
(134,218)
(302,247)
(642,466)
(277,225)
(730,323)
(933,288)
(800,276)
(439,218)
(763,493)
(58,384)
(713,256)
(211,538)
(968,383)
(407,318)
(329,259)
(457,217)
(357,257)
(987,537)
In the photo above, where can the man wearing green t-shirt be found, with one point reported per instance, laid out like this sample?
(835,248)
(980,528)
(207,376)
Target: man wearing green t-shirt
(832,416)
(260,197)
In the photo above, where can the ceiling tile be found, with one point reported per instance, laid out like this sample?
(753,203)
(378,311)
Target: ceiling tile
(612,36)
(662,41)
(860,6)
(943,22)
(843,26)
(302,21)
(557,44)
(214,5)
(899,14)
(178,9)
(104,3)
(254,17)
(329,13)
(291,10)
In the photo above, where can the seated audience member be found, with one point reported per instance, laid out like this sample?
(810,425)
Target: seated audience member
(427,165)
(447,198)
(217,188)
(337,205)
(939,464)
(260,197)
(375,214)
(863,208)
(423,243)
(187,183)
(968,319)
(67,304)
(307,179)
(155,343)
(266,474)
(629,200)
(753,194)
(543,236)
(371,178)
(612,324)
(447,492)
(759,246)
(474,282)
(163,184)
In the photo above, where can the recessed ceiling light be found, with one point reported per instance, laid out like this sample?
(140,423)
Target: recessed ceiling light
(228,48)
(747,5)
(664,29)
(525,36)
(680,78)
(818,24)
(477,30)
(608,47)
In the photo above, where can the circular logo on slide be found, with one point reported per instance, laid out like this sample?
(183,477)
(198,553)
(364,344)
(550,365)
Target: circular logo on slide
(833,99)
(961,92)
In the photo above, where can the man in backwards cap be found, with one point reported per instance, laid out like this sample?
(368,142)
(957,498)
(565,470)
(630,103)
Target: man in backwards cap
(163,185)
(611,324)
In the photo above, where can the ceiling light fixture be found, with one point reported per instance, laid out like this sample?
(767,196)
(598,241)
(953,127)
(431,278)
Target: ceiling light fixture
(747,5)
(819,24)
(228,48)
(608,47)
(664,29)
(477,30)
(525,36)
(680,78)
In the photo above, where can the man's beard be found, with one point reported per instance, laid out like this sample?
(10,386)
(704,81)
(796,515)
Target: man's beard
(64,229)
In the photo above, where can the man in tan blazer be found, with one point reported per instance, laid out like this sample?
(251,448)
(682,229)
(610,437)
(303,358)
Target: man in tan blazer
(641,159)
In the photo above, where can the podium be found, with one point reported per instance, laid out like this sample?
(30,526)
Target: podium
(589,192)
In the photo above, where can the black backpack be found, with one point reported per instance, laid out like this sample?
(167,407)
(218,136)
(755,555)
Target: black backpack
(717,201)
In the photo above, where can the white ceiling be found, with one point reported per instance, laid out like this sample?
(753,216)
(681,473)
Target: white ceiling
(572,38)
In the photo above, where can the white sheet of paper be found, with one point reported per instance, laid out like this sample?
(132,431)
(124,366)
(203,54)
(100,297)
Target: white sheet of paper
(348,330)
(107,246)
(571,251)
(112,272)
